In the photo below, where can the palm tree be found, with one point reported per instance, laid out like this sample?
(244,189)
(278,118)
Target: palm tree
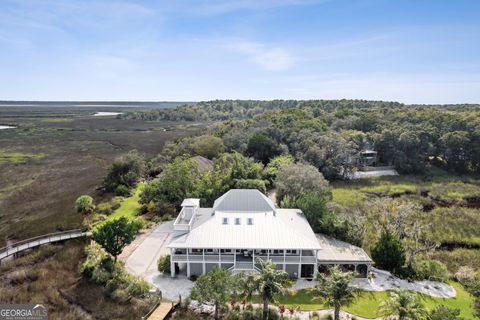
(268,283)
(404,304)
(214,287)
(335,289)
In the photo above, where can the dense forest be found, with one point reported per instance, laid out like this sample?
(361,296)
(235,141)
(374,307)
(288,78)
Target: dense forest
(330,133)
(422,224)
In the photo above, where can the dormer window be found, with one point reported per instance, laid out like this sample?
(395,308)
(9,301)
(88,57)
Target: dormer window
(225,220)
(237,220)
(250,221)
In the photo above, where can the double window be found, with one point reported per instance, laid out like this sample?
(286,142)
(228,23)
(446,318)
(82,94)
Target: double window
(237,221)
(250,221)
(225,220)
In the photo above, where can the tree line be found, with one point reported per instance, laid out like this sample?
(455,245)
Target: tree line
(330,133)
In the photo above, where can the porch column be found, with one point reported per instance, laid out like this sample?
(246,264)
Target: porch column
(234,258)
(203,261)
(284,259)
(219,259)
(253,258)
(188,265)
(172,264)
(315,271)
(300,266)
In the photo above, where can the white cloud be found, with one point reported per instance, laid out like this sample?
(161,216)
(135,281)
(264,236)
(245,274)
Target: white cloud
(267,57)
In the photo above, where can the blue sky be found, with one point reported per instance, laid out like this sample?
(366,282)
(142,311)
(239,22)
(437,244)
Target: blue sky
(422,51)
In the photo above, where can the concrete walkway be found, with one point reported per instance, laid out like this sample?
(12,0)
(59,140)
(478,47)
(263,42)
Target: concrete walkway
(384,280)
(143,262)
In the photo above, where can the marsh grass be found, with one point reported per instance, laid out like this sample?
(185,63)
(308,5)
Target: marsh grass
(78,154)
(17,157)
(50,275)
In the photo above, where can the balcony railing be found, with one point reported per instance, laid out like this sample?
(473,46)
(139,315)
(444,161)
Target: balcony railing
(230,258)
(201,258)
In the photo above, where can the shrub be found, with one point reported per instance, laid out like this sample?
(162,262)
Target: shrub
(137,286)
(100,275)
(138,224)
(465,274)
(84,204)
(234,315)
(444,313)
(431,270)
(96,258)
(251,184)
(123,190)
(120,295)
(163,264)
(104,208)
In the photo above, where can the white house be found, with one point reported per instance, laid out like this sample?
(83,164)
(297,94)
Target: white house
(244,225)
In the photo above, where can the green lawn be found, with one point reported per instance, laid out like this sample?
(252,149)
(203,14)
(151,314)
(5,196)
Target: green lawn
(129,207)
(368,303)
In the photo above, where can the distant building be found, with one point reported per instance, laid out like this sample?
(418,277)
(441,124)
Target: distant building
(368,158)
(203,163)
(244,225)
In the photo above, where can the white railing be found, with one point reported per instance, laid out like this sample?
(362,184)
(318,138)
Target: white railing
(289,259)
(39,240)
(230,258)
(178,225)
(200,258)
(244,265)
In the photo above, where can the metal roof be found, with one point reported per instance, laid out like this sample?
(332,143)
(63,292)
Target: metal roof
(336,251)
(287,229)
(243,200)
(203,164)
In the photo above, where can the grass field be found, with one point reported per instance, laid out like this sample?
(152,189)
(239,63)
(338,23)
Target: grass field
(56,154)
(129,208)
(368,303)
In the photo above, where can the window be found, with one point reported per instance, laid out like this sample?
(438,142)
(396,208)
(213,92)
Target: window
(250,221)
(225,221)
(237,220)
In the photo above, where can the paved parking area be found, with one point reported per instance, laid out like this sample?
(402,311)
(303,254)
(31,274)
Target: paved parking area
(143,262)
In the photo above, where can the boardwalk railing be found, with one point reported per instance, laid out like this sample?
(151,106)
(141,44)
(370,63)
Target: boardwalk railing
(43,239)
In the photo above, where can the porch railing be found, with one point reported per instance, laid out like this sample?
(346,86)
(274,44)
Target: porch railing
(230,258)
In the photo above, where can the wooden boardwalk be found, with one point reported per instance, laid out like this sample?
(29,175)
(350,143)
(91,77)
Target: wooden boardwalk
(161,311)
(26,244)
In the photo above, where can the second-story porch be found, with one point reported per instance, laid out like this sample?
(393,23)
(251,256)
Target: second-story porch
(238,260)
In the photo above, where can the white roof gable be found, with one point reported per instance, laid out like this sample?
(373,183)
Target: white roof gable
(243,200)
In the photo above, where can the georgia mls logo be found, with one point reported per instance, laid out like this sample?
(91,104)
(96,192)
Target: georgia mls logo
(23,312)
(39,311)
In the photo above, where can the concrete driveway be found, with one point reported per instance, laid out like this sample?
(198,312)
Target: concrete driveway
(143,262)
